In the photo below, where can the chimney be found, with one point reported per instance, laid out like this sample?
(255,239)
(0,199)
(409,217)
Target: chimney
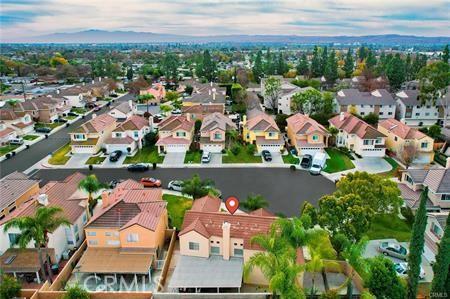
(105,199)
(244,119)
(447,164)
(94,115)
(209,92)
(57,91)
(84,83)
(226,227)
(43,199)
(214,96)
(188,116)
(99,79)
(211,83)
(341,116)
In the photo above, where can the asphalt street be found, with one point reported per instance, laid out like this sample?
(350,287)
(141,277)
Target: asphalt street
(285,190)
(27,158)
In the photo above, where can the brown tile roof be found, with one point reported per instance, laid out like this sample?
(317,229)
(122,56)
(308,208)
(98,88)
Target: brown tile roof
(261,140)
(400,129)
(206,203)
(124,140)
(26,260)
(175,122)
(353,125)
(13,186)
(7,114)
(305,125)
(262,212)
(258,120)
(217,121)
(206,108)
(135,122)
(6,132)
(97,124)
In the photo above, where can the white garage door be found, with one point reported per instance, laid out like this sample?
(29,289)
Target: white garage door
(270,147)
(310,150)
(116,147)
(176,148)
(212,148)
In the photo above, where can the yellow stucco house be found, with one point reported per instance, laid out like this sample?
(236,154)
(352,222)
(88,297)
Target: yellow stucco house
(398,135)
(261,129)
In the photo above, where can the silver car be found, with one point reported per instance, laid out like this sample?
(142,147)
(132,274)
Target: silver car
(402,270)
(175,186)
(394,250)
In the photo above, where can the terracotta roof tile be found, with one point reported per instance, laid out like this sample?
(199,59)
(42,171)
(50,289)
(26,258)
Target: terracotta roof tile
(401,130)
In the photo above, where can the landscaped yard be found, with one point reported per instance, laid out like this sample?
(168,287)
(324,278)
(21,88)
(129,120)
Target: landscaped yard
(290,159)
(60,156)
(30,137)
(193,157)
(78,110)
(145,155)
(176,207)
(70,117)
(6,149)
(338,161)
(95,160)
(395,168)
(389,226)
(242,156)
(48,125)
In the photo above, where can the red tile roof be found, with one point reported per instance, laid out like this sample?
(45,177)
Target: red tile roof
(400,129)
(175,122)
(172,140)
(353,125)
(305,125)
(206,203)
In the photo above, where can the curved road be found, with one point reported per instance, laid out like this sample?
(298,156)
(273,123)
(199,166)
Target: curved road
(285,190)
(38,151)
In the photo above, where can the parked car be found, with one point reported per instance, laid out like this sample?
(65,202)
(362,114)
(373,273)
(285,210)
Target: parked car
(394,250)
(112,184)
(150,182)
(43,129)
(228,102)
(176,112)
(97,108)
(72,114)
(60,120)
(206,157)
(115,155)
(138,167)
(318,163)
(16,141)
(175,186)
(306,161)
(402,270)
(267,156)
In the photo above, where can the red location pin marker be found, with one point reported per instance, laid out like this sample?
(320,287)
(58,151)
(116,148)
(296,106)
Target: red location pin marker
(232,204)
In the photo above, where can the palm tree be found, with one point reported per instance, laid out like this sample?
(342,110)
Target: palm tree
(196,187)
(353,254)
(36,228)
(90,185)
(231,137)
(146,98)
(254,202)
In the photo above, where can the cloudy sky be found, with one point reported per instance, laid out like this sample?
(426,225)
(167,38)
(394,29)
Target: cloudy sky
(22,18)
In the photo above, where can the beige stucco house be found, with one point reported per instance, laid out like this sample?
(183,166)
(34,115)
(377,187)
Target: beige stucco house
(213,132)
(175,134)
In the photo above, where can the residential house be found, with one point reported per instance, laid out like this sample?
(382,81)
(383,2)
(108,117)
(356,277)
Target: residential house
(158,92)
(213,132)
(63,194)
(60,104)
(211,239)
(89,137)
(400,135)
(122,111)
(175,134)
(283,102)
(306,135)
(127,236)
(413,112)
(379,102)
(41,109)
(204,93)
(23,124)
(77,96)
(6,133)
(129,135)
(15,189)
(358,136)
(200,111)
(434,232)
(260,129)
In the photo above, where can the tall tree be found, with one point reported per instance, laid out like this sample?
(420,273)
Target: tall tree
(441,267)
(269,66)
(272,89)
(170,66)
(316,70)
(36,229)
(383,281)
(416,246)
(254,202)
(324,61)
(362,53)
(196,187)
(303,67)
(408,68)
(419,62)
(282,67)
(331,70)
(354,255)
(90,185)
(130,73)
(349,63)
(308,101)
(371,60)
(258,67)
(445,54)
(395,72)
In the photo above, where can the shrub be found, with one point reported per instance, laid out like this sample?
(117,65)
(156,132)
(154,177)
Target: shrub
(10,287)
(251,149)
(408,214)
(292,167)
(76,292)
(339,242)
(236,149)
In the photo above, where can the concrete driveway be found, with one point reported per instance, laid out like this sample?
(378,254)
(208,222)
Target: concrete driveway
(276,159)
(110,164)
(174,159)
(372,165)
(216,159)
(78,161)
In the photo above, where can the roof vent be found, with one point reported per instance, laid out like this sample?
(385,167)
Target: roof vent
(10,259)
(43,199)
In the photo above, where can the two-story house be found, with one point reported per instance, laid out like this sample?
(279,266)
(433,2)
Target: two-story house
(89,137)
(123,111)
(129,135)
(434,231)
(211,239)
(413,112)
(6,133)
(358,136)
(283,102)
(306,135)
(213,132)
(379,102)
(200,111)
(175,134)
(400,135)
(22,123)
(261,129)
(127,236)
(158,92)
(204,93)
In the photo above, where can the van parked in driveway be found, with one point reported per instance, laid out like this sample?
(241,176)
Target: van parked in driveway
(16,141)
(318,163)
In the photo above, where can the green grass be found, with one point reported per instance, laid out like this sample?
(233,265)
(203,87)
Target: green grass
(60,156)
(48,125)
(389,226)
(95,160)
(242,157)
(193,157)
(6,149)
(290,159)
(70,117)
(30,137)
(78,110)
(176,207)
(338,161)
(145,155)
(395,168)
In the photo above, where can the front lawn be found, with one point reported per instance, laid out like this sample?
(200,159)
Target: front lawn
(389,226)
(338,161)
(395,168)
(242,155)
(48,125)
(290,159)
(145,155)
(59,157)
(95,160)
(6,149)
(78,110)
(70,117)
(30,137)
(193,157)
(176,207)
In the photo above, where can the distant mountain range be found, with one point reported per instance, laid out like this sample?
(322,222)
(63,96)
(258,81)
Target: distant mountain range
(102,36)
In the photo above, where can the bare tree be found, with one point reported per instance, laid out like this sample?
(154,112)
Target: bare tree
(408,154)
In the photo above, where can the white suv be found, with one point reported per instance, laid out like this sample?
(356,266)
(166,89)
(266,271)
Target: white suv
(206,157)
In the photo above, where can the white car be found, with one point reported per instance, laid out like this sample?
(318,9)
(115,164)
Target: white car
(402,270)
(175,186)
(318,163)
(206,157)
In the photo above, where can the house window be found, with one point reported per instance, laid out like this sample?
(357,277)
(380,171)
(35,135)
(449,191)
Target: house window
(445,197)
(91,234)
(368,142)
(389,113)
(436,230)
(181,134)
(13,238)
(378,140)
(93,242)
(108,234)
(362,113)
(217,136)
(417,114)
(395,138)
(132,238)
(118,135)
(424,145)
(215,250)
(194,246)
(84,218)
(113,242)
(77,237)
(271,134)
(409,179)
(75,228)
(381,113)
(238,252)
(78,136)
(136,134)
(315,137)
